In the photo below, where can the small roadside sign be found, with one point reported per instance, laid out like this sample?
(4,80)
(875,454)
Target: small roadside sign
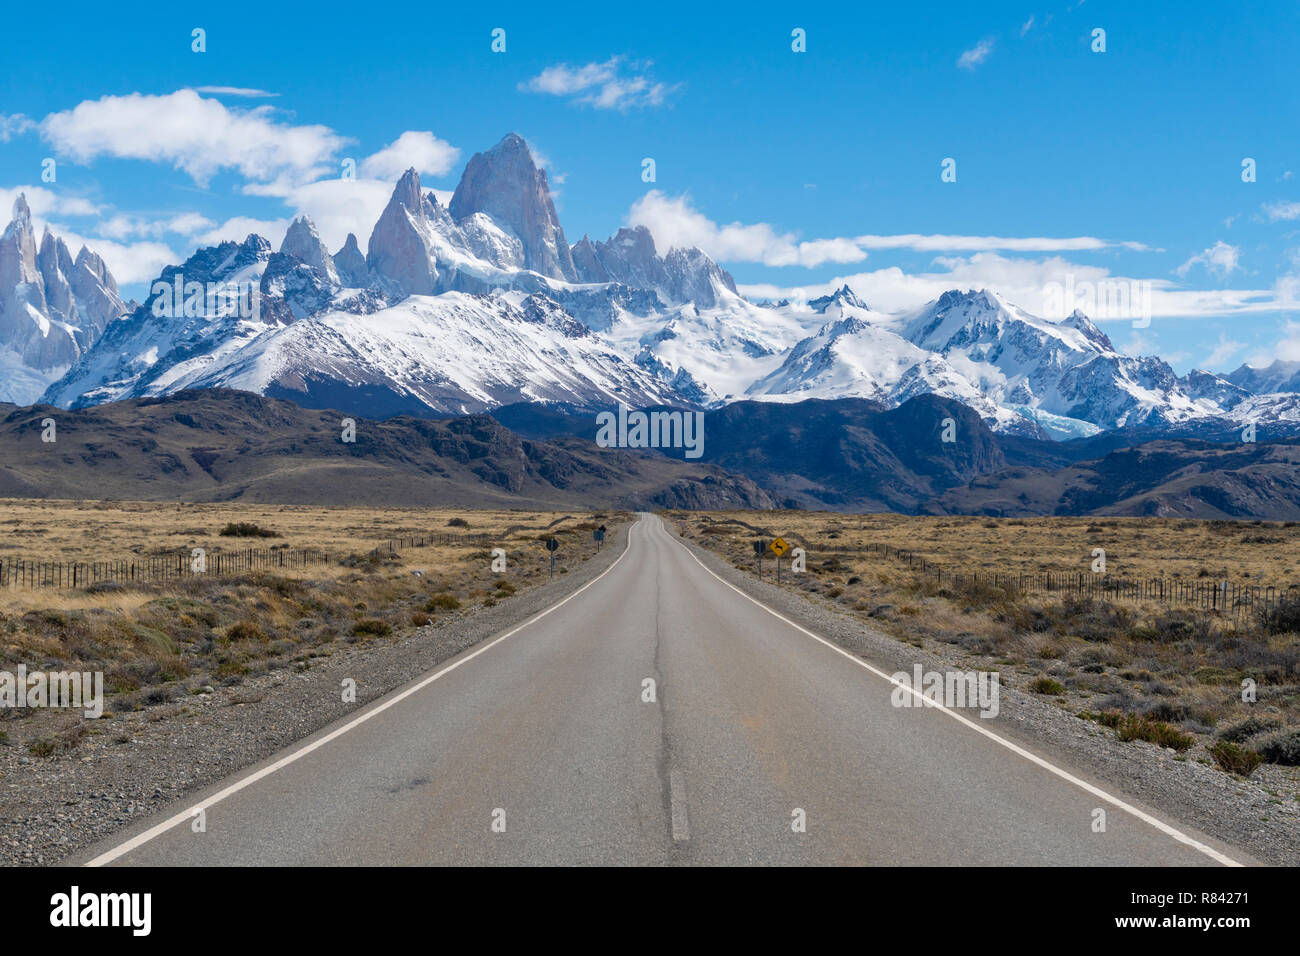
(778,546)
(551,546)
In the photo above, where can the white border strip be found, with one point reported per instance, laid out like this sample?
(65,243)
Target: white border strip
(1032,758)
(138,841)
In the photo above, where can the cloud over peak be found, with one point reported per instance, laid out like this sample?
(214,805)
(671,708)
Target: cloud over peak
(198,135)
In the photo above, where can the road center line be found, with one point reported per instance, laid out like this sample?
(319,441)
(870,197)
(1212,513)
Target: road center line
(677,800)
(374,709)
(1160,825)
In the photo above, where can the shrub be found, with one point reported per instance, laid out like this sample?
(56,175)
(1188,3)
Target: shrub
(246,631)
(457,523)
(1282,748)
(1250,727)
(246,529)
(372,626)
(1234,758)
(1048,686)
(1174,626)
(1107,718)
(1140,727)
(442,602)
(1091,619)
(420,619)
(1283,619)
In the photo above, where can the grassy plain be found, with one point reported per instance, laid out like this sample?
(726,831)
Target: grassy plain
(157,643)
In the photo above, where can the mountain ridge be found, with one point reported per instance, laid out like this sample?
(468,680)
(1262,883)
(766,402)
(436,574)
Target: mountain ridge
(482,302)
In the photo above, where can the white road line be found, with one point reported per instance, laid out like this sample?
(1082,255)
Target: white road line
(677,802)
(1160,825)
(138,841)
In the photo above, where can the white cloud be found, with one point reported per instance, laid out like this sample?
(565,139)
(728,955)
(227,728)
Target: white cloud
(976,54)
(1029,25)
(415,148)
(46,202)
(1287,348)
(14,125)
(954,243)
(198,135)
(1282,209)
(239,228)
(1222,352)
(618,83)
(340,206)
(674,222)
(1139,344)
(234,91)
(182,224)
(1220,259)
(1026,282)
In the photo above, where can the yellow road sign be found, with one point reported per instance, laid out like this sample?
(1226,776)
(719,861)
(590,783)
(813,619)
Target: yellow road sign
(778,547)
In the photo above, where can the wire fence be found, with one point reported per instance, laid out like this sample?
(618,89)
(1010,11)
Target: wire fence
(160,568)
(1224,596)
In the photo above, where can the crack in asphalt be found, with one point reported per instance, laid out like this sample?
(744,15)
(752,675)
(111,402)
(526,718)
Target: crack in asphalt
(671,779)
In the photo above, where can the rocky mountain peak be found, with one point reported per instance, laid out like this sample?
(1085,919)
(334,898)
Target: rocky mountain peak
(351,264)
(841,296)
(52,308)
(22,213)
(1078,320)
(402,247)
(407,192)
(507,185)
(303,242)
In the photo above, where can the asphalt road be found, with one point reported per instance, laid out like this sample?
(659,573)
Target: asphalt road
(544,729)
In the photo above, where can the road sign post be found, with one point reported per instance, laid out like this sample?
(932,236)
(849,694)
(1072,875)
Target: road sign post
(759,547)
(778,547)
(552,545)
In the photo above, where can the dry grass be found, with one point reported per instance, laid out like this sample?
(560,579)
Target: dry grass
(91,530)
(61,531)
(1256,552)
(158,643)
(1144,665)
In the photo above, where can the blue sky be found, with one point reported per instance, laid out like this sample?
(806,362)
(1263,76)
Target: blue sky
(796,170)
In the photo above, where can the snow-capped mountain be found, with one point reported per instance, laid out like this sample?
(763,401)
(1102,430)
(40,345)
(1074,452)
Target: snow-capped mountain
(481,302)
(1021,373)
(1281,376)
(52,307)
